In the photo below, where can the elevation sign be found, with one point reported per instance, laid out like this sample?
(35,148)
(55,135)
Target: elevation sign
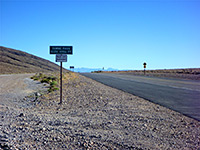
(61,56)
(61,50)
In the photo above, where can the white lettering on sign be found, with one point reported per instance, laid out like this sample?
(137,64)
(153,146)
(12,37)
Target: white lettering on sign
(61,57)
(61,50)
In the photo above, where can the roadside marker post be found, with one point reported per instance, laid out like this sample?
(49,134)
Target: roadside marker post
(72,68)
(61,56)
(144,66)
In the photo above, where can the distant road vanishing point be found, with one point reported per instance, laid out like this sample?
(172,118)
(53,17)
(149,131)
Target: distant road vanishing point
(177,94)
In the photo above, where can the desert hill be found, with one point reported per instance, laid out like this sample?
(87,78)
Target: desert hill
(15,61)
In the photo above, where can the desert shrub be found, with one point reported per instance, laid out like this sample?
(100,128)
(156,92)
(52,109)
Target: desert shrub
(53,83)
(196,73)
(51,80)
(54,78)
(45,80)
(51,89)
(41,75)
(96,71)
(36,78)
(56,88)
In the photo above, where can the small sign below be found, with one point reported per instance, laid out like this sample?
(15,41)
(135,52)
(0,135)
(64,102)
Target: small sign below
(61,57)
(61,49)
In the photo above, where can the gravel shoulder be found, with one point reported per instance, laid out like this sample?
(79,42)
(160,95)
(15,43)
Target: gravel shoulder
(92,116)
(14,87)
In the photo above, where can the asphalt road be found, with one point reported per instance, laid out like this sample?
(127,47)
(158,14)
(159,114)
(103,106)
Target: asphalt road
(177,94)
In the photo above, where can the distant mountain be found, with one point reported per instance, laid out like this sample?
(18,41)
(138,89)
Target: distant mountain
(15,61)
(93,69)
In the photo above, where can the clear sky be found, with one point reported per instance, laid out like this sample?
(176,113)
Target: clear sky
(110,33)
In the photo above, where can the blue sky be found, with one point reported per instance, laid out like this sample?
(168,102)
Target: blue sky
(119,34)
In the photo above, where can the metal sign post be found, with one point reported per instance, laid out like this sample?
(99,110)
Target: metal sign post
(60,83)
(72,68)
(61,56)
(144,66)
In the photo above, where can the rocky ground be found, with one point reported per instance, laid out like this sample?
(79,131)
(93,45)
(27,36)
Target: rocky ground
(92,116)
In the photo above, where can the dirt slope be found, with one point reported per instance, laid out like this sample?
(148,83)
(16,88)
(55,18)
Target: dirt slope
(15,61)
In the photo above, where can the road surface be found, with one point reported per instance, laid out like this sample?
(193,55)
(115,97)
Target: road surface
(177,94)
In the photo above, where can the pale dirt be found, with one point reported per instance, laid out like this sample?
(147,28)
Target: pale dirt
(92,116)
(14,87)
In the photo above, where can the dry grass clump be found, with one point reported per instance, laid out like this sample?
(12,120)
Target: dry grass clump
(70,78)
(53,80)
(49,79)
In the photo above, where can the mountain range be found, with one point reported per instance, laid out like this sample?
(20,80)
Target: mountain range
(92,69)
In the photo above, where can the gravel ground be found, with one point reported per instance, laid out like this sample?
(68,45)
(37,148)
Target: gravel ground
(92,116)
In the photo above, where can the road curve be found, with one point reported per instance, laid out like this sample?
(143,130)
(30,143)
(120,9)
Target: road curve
(177,94)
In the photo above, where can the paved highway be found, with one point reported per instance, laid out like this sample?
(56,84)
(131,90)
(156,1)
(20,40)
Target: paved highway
(177,94)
